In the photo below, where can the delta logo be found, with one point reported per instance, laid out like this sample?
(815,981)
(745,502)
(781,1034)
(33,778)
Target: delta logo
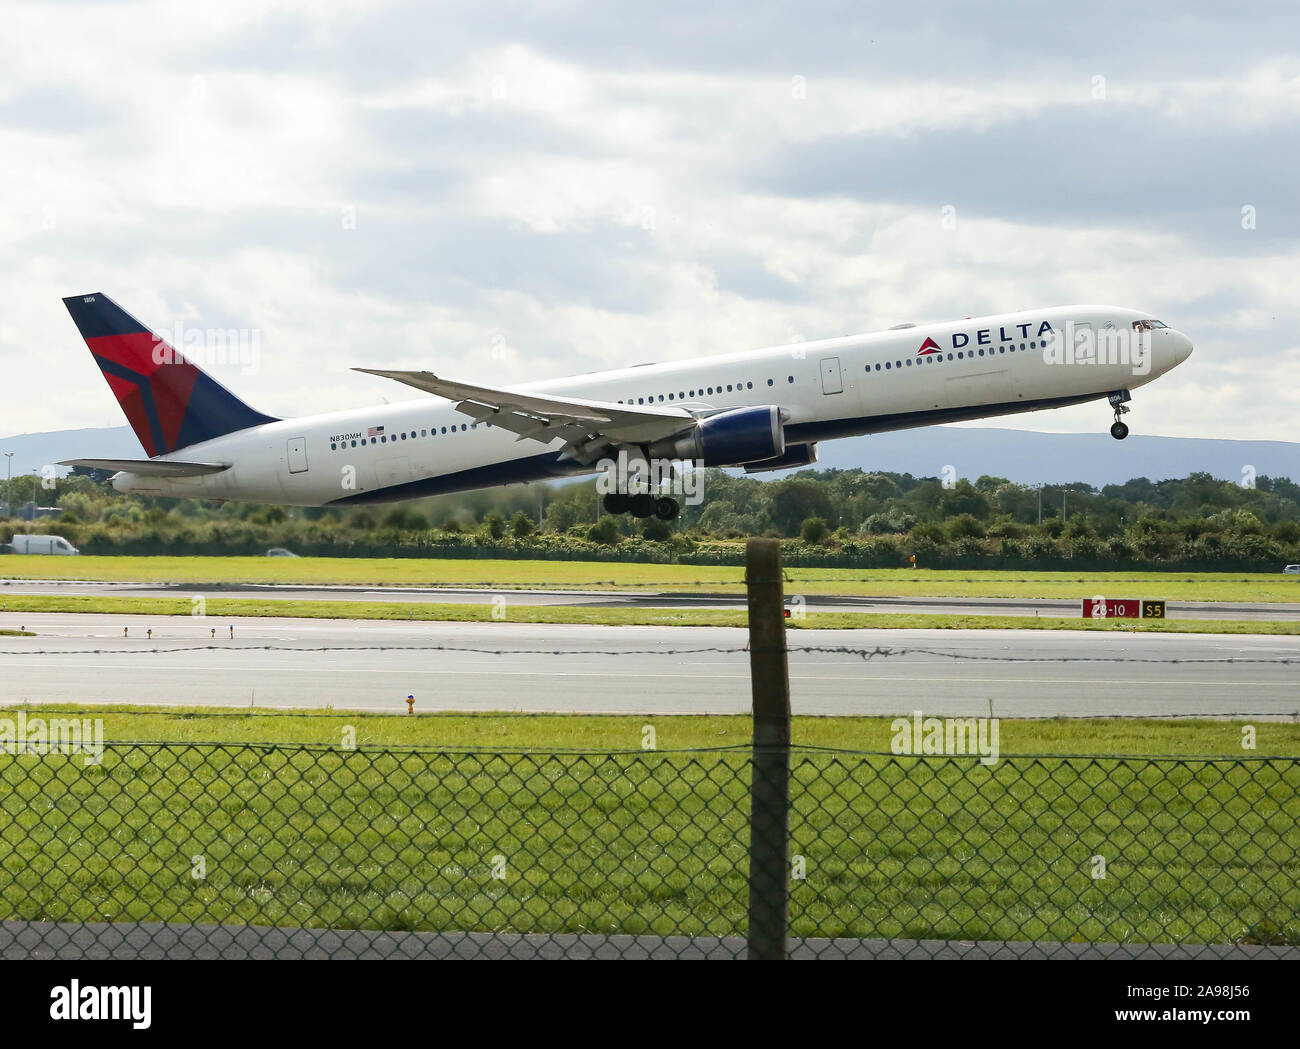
(984,337)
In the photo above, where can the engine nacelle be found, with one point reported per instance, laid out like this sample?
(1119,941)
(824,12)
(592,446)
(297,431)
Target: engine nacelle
(731,438)
(795,455)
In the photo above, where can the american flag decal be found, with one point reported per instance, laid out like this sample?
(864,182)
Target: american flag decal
(374,431)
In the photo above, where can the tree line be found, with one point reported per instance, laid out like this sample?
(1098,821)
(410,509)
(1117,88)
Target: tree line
(852,518)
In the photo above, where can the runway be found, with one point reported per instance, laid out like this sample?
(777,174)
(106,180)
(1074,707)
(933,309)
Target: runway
(990,606)
(374,664)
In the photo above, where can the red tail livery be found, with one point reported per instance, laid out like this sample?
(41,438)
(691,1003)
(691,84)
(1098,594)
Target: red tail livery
(169,402)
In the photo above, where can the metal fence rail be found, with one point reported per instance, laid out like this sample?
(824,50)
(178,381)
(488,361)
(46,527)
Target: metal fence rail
(202,849)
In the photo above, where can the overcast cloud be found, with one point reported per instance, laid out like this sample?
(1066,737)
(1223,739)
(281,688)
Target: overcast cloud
(508,192)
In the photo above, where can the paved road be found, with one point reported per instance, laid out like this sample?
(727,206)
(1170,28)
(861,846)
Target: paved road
(992,606)
(174,940)
(374,664)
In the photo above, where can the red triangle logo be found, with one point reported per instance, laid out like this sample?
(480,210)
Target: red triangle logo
(929,346)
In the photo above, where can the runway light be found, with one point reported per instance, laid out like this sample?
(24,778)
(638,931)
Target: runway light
(410,704)
(150,633)
(124,630)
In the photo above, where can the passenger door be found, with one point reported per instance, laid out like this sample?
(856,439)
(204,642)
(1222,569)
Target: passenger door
(297,455)
(832,376)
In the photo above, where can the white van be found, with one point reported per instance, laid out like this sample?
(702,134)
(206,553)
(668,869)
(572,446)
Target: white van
(1291,570)
(43,544)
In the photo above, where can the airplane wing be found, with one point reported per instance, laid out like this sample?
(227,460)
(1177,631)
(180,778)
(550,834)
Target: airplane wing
(588,428)
(150,467)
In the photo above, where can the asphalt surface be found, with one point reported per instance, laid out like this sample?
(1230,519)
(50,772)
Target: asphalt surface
(177,941)
(991,606)
(375,664)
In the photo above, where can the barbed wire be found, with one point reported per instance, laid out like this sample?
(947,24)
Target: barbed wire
(866,654)
(396,713)
(858,577)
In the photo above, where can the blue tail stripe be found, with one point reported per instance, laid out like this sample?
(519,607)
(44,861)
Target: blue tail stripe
(101,316)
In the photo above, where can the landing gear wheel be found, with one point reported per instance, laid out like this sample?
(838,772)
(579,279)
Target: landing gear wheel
(615,503)
(642,505)
(667,509)
(1118,430)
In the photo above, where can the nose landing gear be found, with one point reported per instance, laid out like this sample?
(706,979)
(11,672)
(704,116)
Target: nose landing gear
(1119,430)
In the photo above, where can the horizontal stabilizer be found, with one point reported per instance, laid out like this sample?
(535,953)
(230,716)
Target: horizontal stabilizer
(150,467)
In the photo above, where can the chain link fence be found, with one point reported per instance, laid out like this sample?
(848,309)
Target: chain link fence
(209,850)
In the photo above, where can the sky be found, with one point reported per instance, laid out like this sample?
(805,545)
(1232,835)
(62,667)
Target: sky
(507,192)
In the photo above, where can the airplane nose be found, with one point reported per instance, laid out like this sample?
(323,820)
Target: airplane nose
(1182,348)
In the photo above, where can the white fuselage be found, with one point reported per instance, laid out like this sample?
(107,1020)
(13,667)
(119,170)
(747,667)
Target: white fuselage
(844,387)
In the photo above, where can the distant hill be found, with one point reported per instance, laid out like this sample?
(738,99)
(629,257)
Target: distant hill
(32,451)
(1019,455)
(1028,457)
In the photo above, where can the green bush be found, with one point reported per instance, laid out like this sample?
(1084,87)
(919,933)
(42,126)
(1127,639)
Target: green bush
(814,531)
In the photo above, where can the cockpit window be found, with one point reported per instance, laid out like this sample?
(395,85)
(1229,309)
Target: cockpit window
(1147,325)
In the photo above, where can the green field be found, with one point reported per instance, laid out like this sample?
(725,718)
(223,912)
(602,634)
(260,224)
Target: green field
(505,574)
(228,608)
(549,823)
(641,842)
(622,732)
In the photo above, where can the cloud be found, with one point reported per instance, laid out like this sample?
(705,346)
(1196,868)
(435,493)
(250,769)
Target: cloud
(591,185)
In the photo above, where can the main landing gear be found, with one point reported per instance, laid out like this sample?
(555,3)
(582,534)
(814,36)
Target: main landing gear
(642,505)
(1119,430)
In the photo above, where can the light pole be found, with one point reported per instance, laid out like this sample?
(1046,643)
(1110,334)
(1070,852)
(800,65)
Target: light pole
(9,476)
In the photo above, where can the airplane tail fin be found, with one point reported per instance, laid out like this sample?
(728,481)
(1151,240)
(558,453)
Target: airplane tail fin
(169,402)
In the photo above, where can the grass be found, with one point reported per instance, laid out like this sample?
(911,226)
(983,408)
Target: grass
(631,841)
(1269,586)
(1107,736)
(223,608)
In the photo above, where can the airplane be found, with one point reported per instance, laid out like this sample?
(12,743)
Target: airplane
(760,410)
